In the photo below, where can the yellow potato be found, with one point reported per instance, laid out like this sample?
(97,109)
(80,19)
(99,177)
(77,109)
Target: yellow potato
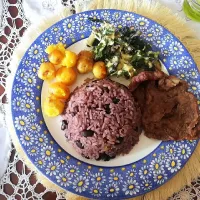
(60,90)
(70,59)
(86,54)
(56,57)
(84,65)
(53,47)
(46,71)
(66,75)
(53,106)
(99,70)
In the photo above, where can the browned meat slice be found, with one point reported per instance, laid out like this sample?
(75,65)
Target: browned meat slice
(169,111)
(145,76)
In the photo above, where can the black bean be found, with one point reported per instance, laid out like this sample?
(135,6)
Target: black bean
(64,125)
(85,156)
(79,144)
(107,108)
(105,157)
(106,89)
(87,133)
(119,140)
(115,100)
(99,158)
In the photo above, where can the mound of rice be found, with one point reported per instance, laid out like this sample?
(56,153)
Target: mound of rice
(102,120)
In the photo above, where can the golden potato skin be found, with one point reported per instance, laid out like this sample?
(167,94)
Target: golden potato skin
(86,54)
(85,65)
(99,70)
(66,75)
(56,57)
(47,71)
(70,59)
(60,90)
(53,106)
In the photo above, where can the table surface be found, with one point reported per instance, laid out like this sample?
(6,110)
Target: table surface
(14,18)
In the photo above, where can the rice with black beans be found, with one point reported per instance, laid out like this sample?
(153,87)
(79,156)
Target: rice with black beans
(102,120)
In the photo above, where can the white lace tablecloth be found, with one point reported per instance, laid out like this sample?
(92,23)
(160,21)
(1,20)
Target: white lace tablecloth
(18,182)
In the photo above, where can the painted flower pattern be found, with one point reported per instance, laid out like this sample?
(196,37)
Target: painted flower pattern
(61,37)
(32,117)
(29,80)
(55,30)
(144,172)
(17,89)
(157,29)
(68,25)
(193,73)
(115,178)
(26,138)
(35,51)
(20,75)
(112,190)
(186,62)
(21,123)
(81,184)
(33,151)
(173,164)
(160,177)
(116,16)
(194,87)
(52,168)
(98,179)
(28,106)
(46,39)
(81,18)
(158,42)
(171,150)
(131,187)
(105,14)
(73,170)
(146,185)
(176,48)
(41,140)
(40,162)
(128,18)
(131,173)
(94,15)
(142,23)
(28,93)
(48,153)
(18,103)
(63,179)
(156,165)
(182,74)
(96,191)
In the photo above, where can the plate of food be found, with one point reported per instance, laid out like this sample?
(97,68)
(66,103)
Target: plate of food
(105,104)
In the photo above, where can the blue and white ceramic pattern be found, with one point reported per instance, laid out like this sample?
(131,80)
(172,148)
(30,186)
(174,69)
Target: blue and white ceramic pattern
(61,168)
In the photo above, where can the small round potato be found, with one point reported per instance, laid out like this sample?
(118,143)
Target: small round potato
(53,106)
(66,75)
(47,71)
(60,90)
(56,57)
(85,65)
(70,59)
(99,70)
(86,54)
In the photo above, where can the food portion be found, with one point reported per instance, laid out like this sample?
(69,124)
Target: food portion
(169,111)
(123,50)
(102,120)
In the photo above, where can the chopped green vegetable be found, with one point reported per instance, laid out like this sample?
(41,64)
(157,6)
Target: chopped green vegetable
(123,50)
